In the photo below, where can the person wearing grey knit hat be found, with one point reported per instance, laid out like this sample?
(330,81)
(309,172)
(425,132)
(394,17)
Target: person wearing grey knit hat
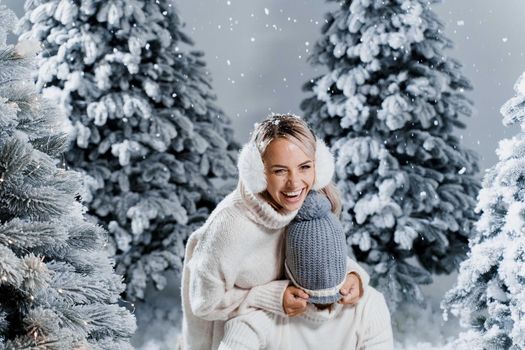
(316,251)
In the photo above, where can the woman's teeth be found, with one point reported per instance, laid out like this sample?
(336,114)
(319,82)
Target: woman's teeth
(292,194)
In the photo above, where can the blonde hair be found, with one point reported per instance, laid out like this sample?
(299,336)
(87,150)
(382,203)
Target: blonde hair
(293,129)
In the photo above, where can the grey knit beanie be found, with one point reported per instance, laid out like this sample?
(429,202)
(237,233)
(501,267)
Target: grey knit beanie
(316,250)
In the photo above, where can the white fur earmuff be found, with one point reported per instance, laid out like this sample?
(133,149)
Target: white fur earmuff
(324,165)
(251,167)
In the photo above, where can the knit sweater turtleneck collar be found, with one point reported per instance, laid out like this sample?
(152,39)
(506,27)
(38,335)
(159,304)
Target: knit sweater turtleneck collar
(261,212)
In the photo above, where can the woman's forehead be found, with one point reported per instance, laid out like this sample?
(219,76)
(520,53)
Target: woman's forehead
(285,152)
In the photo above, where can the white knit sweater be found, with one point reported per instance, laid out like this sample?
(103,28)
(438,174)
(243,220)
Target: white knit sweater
(233,265)
(365,326)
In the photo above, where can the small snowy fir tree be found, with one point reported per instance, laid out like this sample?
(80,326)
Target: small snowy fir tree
(388,107)
(58,289)
(147,130)
(490,293)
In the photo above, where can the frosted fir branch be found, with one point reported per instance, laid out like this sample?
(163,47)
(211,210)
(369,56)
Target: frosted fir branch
(24,97)
(53,146)
(40,237)
(36,203)
(154,206)
(30,343)
(86,236)
(8,54)
(397,278)
(14,68)
(16,156)
(106,320)
(95,262)
(76,288)
(36,274)
(42,168)
(11,272)
(8,116)
(41,323)
(513,110)
(45,130)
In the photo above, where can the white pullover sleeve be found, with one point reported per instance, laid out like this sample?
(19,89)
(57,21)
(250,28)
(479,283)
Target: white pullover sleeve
(213,269)
(353,266)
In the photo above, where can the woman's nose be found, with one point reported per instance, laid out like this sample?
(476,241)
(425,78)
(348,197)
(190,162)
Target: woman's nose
(292,178)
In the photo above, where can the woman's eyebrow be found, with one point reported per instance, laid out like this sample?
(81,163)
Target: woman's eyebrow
(284,166)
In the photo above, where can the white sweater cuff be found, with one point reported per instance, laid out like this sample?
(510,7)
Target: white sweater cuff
(269,297)
(239,335)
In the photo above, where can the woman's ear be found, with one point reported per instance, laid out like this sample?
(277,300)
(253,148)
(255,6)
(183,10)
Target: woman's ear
(324,165)
(251,168)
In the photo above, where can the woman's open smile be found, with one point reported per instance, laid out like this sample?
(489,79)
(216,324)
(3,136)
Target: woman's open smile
(293,196)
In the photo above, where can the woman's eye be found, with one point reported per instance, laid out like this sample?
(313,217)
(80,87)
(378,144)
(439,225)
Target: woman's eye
(279,171)
(304,167)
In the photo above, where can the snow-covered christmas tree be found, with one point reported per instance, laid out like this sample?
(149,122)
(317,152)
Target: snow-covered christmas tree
(389,106)
(58,289)
(148,132)
(490,292)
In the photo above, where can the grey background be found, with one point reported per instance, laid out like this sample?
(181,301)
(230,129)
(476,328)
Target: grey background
(257,57)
